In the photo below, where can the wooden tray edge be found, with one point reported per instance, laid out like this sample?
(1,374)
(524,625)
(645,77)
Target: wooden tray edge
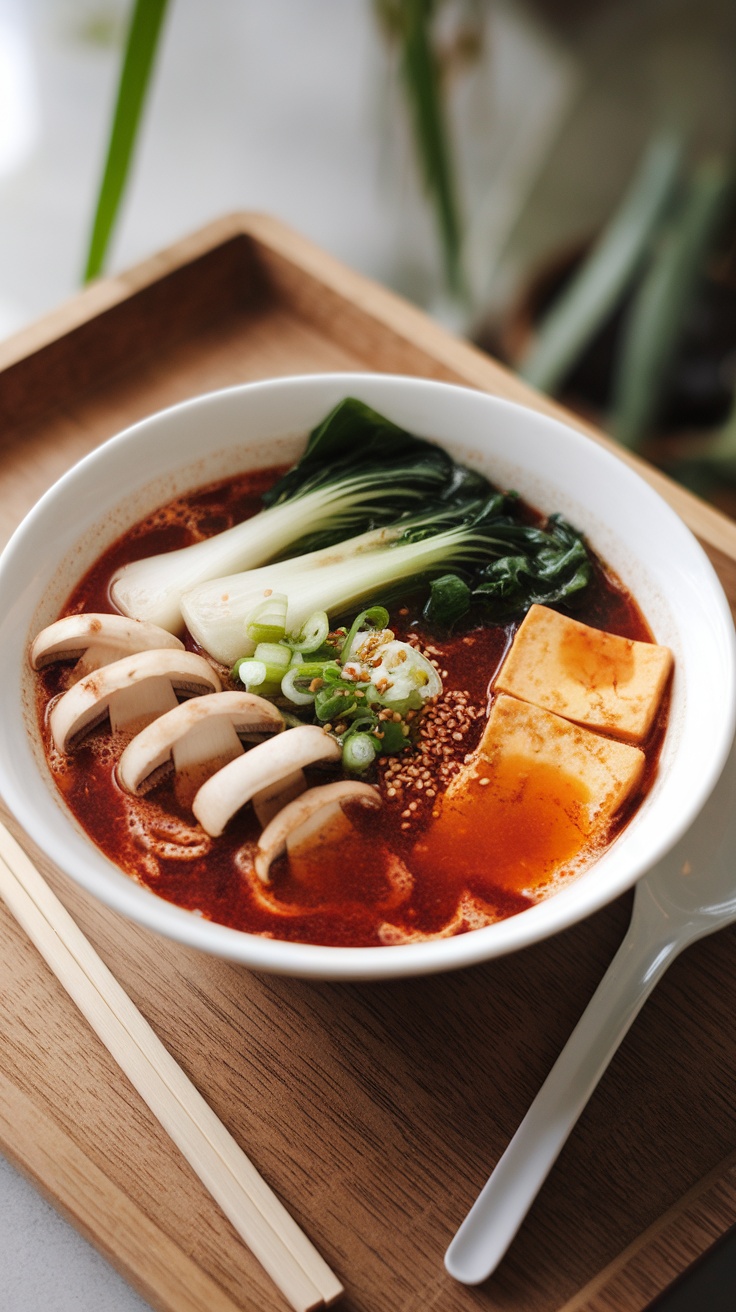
(465,362)
(655,1258)
(80,1187)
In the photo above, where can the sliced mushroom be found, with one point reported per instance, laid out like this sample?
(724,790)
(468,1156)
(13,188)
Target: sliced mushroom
(269,801)
(200,736)
(315,817)
(96,640)
(263,766)
(132,691)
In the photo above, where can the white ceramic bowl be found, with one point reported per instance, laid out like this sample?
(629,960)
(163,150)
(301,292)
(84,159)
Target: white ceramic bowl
(554,468)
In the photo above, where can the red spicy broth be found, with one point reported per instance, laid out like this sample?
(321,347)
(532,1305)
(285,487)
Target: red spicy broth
(350,893)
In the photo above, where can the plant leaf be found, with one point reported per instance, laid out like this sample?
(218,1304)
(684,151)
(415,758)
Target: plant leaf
(655,321)
(422,82)
(602,279)
(140,51)
(353,439)
(449,599)
(554,573)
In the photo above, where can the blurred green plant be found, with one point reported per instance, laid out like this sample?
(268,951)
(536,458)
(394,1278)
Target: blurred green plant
(663,300)
(647,267)
(140,52)
(603,276)
(410,24)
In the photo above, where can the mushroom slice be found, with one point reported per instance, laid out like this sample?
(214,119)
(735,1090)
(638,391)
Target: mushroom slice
(315,817)
(200,736)
(263,766)
(132,691)
(96,640)
(269,801)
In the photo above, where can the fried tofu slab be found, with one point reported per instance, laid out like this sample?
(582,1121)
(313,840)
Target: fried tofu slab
(599,680)
(536,798)
(558,759)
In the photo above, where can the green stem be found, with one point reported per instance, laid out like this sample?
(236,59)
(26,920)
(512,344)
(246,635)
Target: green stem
(424,92)
(140,51)
(654,325)
(600,282)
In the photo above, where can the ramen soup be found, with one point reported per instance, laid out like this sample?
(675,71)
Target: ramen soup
(274,748)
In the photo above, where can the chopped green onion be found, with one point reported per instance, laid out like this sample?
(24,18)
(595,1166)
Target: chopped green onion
(313,634)
(266,622)
(250,671)
(253,674)
(361,724)
(298,677)
(375,617)
(276,659)
(291,685)
(358,752)
(334,705)
(395,739)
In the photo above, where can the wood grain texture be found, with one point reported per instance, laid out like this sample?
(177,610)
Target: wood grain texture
(374,1111)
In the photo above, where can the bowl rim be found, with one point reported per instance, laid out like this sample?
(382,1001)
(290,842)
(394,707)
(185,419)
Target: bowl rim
(565,908)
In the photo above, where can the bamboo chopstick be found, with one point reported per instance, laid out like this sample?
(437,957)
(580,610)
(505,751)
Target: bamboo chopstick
(260,1219)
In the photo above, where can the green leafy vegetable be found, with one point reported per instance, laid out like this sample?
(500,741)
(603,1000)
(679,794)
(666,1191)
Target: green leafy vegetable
(449,599)
(468,537)
(557,567)
(354,440)
(359,471)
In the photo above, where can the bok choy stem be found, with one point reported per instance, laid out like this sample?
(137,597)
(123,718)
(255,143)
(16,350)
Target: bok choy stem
(359,470)
(466,537)
(151,589)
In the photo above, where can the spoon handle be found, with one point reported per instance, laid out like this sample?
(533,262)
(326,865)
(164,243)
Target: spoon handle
(502,1204)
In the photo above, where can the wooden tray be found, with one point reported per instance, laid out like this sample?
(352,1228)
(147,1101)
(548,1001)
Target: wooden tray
(376,1110)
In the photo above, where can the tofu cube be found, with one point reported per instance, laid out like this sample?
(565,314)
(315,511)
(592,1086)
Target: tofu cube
(597,679)
(537,798)
(605,770)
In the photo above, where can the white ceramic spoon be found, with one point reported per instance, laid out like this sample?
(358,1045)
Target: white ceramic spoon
(689,894)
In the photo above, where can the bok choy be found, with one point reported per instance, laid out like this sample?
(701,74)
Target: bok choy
(471,537)
(359,471)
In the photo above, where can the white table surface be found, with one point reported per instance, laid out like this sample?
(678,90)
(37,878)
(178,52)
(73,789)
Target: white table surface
(45,1265)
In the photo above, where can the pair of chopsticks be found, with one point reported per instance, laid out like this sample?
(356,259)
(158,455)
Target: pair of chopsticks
(272,1235)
